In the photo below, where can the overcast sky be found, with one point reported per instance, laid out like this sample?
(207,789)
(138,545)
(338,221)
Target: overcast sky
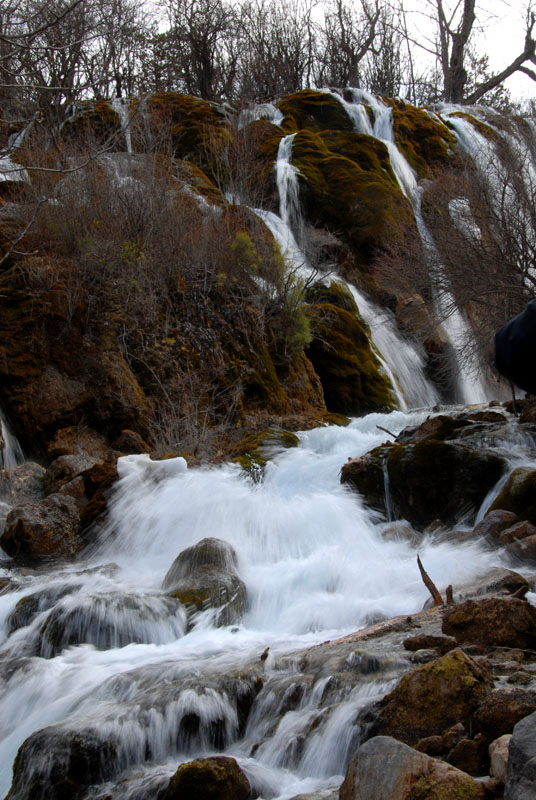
(502,36)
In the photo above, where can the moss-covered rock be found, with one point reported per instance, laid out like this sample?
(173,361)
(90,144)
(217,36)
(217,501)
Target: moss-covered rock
(433,697)
(256,450)
(358,198)
(425,141)
(313,110)
(519,494)
(341,354)
(214,778)
(502,709)
(440,480)
(97,120)
(204,576)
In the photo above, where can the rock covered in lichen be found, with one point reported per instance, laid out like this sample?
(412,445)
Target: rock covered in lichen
(213,778)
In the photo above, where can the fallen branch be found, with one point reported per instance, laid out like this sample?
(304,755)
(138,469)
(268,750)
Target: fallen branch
(430,585)
(385,430)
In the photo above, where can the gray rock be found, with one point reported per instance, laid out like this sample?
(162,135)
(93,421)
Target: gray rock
(204,576)
(521,773)
(22,484)
(385,769)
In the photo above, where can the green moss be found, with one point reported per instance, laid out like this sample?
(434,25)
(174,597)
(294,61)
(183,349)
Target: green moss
(485,130)
(336,294)
(361,203)
(343,359)
(422,789)
(258,449)
(519,494)
(313,110)
(424,140)
(96,118)
(194,128)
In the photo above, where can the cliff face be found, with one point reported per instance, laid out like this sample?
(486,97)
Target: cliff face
(146,294)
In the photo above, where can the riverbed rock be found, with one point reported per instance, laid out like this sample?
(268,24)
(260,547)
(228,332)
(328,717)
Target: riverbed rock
(498,756)
(418,474)
(386,769)
(521,771)
(77,440)
(204,576)
(440,642)
(502,709)
(433,697)
(493,621)
(213,778)
(23,483)
(494,523)
(519,494)
(43,531)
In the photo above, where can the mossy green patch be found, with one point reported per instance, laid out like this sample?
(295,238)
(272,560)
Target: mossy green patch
(425,141)
(358,200)
(342,357)
(519,494)
(256,450)
(485,130)
(314,110)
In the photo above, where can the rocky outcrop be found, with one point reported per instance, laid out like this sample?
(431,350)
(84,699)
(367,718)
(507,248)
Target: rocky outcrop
(493,621)
(519,495)
(431,698)
(214,778)
(204,577)
(405,774)
(46,530)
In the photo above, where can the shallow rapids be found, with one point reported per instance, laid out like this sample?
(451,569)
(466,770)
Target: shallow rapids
(316,566)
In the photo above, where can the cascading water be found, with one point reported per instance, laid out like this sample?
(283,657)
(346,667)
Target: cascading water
(107,658)
(11,453)
(400,359)
(471,387)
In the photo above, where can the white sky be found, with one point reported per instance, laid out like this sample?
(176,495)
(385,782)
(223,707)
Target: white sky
(502,36)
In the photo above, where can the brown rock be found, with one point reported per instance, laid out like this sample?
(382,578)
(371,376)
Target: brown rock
(519,494)
(43,531)
(130,442)
(524,549)
(23,483)
(502,709)
(442,643)
(440,427)
(494,523)
(431,745)
(431,698)
(521,530)
(385,769)
(77,440)
(493,621)
(214,778)
(65,468)
(470,755)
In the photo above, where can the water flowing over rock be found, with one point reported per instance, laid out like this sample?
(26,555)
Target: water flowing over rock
(205,576)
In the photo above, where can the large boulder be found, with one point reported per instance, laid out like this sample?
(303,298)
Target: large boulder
(428,480)
(385,769)
(43,531)
(521,772)
(214,778)
(204,576)
(432,698)
(493,621)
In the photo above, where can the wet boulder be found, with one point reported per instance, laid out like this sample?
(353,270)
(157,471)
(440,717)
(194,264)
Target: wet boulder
(213,778)
(56,763)
(432,698)
(519,494)
(43,531)
(386,769)
(428,480)
(205,576)
(494,523)
(493,621)
(521,771)
(110,620)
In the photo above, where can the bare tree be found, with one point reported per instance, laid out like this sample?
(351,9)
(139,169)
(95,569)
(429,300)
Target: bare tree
(347,35)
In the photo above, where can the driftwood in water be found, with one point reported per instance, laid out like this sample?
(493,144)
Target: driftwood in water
(430,585)
(386,430)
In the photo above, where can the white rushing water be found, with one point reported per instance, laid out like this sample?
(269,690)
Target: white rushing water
(315,566)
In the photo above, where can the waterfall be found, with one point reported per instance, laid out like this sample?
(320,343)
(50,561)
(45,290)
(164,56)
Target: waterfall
(471,388)
(11,454)
(122,108)
(401,361)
